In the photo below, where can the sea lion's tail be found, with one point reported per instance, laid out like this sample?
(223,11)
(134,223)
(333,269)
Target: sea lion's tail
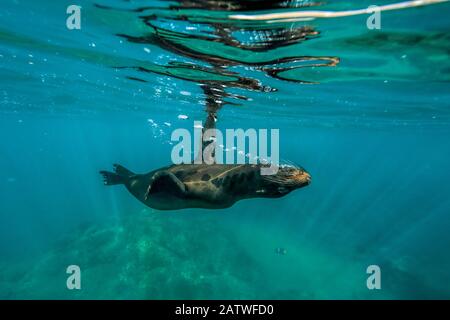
(120,175)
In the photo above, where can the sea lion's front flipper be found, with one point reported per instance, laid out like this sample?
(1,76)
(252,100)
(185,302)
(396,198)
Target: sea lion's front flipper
(213,105)
(165,181)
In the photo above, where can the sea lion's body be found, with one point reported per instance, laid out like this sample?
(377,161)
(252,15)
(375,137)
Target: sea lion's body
(213,186)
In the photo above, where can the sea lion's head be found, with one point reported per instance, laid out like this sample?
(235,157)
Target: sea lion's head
(287,179)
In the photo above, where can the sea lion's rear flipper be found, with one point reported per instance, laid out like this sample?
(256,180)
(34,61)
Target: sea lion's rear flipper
(165,181)
(111,178)
(119,176)
(121,170)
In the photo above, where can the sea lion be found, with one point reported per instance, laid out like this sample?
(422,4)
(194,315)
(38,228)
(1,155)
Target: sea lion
(214,186)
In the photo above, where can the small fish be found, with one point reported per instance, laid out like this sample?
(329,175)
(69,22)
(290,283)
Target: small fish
(281,251)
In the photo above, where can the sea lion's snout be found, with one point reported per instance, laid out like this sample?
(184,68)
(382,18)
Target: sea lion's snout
(294,176)
(303,177)
(289,178)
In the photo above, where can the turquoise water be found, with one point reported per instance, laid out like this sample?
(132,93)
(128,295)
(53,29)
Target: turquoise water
(366,112)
